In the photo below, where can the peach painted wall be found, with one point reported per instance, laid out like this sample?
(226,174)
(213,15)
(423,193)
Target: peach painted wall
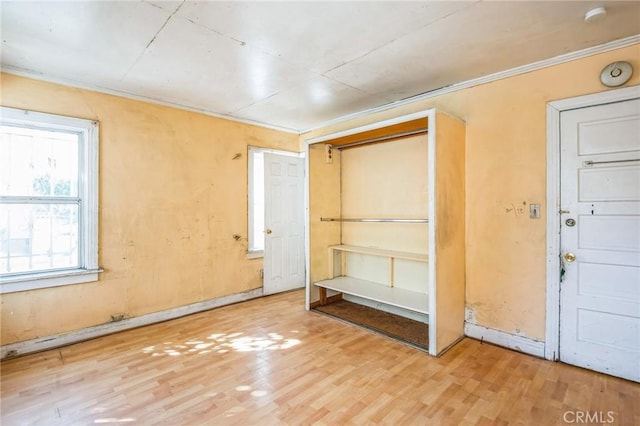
(505,172)
(324,201)
(171,199)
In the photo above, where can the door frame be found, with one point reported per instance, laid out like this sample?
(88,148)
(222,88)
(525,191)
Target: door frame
(554,109)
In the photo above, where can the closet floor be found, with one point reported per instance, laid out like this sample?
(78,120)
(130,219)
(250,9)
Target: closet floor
(407,330)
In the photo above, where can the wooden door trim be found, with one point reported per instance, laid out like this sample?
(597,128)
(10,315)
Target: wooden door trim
(554,109)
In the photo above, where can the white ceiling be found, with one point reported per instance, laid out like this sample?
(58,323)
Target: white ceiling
(292,65)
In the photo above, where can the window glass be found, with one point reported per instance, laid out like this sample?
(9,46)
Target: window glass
(256,204)
(38,162)
(38,237)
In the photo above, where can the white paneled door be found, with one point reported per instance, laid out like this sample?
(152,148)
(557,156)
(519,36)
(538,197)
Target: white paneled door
(284,266)
(600,238)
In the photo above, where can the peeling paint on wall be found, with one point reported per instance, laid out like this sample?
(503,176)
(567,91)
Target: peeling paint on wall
(171,201)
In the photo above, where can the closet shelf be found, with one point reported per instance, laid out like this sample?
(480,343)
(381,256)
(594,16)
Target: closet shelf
(372,220)
(394,296)
(381,252)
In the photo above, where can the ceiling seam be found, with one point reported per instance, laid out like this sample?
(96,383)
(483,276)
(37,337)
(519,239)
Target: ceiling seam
(253,46)
(152,40)
(394,40)
(249,105)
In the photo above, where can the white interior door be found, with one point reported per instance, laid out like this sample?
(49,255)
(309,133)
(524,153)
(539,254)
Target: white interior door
(600,238)
(284,223)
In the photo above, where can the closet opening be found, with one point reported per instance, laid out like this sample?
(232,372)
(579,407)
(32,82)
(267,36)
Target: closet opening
(372,235)
(380,266)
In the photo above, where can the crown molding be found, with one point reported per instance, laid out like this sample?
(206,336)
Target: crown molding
(124,94)
(534,66)
(567,57)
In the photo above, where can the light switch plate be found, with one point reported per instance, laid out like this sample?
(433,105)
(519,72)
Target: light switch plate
(534,211)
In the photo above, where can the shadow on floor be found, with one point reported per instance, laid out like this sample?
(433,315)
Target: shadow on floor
(414,332)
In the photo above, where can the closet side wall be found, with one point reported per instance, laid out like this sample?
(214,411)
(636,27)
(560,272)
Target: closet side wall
(450,229)
(324,201)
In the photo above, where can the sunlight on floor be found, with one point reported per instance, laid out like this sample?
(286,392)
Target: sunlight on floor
(256,393)
(222,343)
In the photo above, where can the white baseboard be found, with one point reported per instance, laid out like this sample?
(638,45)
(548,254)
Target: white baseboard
(507,340)
(63,339)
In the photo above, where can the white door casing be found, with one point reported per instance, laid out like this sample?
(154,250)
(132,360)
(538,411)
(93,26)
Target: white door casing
(284,261)
(600,225)
(554,109)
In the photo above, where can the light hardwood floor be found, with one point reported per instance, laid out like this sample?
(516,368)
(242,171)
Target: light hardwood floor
(269,362)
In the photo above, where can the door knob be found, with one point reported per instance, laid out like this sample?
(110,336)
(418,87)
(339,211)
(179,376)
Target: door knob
(268,231)
(569,257)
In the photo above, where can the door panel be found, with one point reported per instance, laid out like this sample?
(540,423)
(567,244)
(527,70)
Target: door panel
(600,189)
(594,327)
(620,233)
(621,183)
(284,223)
(593,133)
(594,280)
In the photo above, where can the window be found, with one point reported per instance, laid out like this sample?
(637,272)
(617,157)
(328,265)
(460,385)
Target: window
(256,198)
(48,200)
(256,202)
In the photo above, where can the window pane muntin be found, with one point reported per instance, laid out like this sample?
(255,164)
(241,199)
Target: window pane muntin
(39,162)
(39,237)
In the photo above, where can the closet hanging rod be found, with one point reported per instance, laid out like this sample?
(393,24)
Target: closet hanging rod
(334,219)
(381,138)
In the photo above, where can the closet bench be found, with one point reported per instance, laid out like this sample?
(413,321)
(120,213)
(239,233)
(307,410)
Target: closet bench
(388,294)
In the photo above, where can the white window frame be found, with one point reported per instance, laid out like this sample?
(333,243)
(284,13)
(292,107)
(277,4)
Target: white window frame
(252,151)
(88,193)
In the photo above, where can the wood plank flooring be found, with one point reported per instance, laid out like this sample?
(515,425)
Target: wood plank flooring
(269,362)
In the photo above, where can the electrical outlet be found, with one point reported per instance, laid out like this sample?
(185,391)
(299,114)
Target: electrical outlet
(470,315)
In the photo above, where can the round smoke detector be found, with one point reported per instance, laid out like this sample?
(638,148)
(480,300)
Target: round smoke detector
(616,74)
(596,14)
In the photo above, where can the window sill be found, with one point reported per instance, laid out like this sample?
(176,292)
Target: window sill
(48,279)
(258,254)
